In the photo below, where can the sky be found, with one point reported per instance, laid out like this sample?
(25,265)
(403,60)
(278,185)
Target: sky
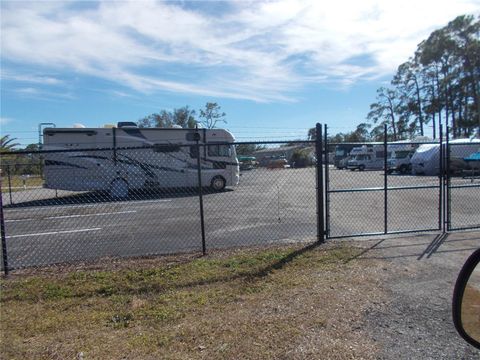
(275,67)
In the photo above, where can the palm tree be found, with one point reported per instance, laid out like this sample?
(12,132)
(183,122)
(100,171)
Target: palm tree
(7,144)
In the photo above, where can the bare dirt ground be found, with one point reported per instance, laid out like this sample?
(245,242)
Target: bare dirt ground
(414,321)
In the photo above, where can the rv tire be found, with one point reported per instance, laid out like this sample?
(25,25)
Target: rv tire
(361,168)
(403,169)
(118,189)
(218,183)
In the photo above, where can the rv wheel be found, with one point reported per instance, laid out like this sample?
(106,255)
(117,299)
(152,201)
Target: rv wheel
(218,183)
(403,169)
(118,189)
(361,167)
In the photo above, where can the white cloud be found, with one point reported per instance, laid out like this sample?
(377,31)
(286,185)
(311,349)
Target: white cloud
(42,94)
(261,51)
(31,78)
(5,120)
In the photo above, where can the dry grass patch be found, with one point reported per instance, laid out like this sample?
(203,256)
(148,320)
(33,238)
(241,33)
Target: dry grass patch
(285,302)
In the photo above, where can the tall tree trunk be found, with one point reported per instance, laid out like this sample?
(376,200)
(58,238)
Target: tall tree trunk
(392,118)
(434,125)
(439,95)
(419,104)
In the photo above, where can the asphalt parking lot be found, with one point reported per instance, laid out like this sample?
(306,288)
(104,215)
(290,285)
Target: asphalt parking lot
(267,206)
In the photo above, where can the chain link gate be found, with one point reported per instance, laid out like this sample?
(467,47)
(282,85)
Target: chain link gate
(300,203)
(462,199)
(373,196)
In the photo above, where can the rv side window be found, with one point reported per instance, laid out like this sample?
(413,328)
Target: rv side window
(219,150)
(193,152)
(164,148)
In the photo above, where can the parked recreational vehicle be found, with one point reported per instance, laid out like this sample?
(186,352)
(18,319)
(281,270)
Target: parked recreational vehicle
(370,156)
(342,153)
(399,160)
(399,154)
(426,159)
(135,158)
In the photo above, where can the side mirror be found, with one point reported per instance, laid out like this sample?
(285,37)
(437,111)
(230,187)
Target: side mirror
(466,301)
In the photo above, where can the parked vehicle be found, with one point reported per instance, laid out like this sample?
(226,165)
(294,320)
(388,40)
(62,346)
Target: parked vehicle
(277,162)
(400,161)
(342,152)
(399,154)
(426,160)
(371,157)
(247,162)
(342,164)
(157,158)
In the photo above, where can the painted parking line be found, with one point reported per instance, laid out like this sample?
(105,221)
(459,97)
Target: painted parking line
(54,233)
(96,214)
(69,206)
(73,216)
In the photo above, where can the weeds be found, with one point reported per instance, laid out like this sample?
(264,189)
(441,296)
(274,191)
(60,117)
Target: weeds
(205,302)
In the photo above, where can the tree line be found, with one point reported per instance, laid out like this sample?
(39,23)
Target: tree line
(438,84)
(18,164)
(184,117)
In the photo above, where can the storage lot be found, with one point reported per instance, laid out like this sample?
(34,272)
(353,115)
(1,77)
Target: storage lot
(268,206)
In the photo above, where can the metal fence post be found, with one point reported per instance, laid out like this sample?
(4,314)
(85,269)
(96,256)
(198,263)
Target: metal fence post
(3,235)
(447,175)
(441,174)
(114,149)
(200,190)
(385,181)
(9,177)
(320,198)
(327,183)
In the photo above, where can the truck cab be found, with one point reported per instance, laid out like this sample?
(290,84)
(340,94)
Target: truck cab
(399,161)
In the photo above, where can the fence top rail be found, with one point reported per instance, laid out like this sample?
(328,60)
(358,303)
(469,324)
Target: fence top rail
(382,143)
(110,148)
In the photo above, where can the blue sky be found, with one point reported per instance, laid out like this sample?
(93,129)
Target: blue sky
(275,67)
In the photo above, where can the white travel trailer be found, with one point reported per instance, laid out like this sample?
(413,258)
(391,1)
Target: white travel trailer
(119,159)
(426,160)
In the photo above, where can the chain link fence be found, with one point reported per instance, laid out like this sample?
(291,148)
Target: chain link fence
(463,194)
(84,204)
(402,186)
(88,204)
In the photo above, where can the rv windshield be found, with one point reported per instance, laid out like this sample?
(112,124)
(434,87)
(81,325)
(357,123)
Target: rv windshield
(219,150)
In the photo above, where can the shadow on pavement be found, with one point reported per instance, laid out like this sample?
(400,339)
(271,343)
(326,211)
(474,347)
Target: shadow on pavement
(96,197)
(432,248)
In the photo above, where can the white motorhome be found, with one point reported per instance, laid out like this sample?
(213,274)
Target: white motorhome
(426,160)
(119,159)
(367,157)
(399,154)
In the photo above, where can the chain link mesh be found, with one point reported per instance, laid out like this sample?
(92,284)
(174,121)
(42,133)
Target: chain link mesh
(464,186)
(357,201)
(65,207)
(86,205)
